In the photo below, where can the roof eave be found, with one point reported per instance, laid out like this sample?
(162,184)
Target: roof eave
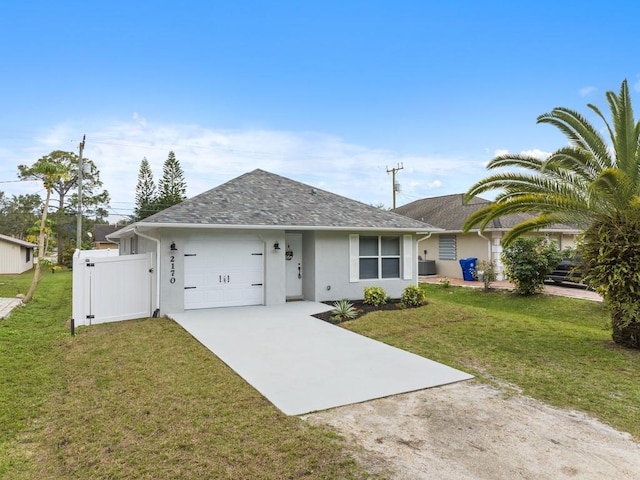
(204,226)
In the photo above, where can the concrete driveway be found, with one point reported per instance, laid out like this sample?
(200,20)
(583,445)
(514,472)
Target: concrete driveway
(302,364)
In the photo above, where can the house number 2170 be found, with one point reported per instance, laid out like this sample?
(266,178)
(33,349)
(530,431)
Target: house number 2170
(172,269)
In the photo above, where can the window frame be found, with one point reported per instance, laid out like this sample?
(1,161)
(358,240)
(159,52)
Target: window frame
(380,256)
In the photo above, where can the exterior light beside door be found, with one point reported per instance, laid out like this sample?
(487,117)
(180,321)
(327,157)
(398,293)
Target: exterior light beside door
(173,247)
(276,246)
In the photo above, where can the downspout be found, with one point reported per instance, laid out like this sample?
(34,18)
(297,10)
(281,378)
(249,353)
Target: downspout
(137,232)
(489,246)
(421,239)
(426,237)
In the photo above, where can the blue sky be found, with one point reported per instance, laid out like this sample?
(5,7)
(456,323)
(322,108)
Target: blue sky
(329,93)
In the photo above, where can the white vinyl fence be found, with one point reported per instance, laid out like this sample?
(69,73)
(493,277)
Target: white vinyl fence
(109,288)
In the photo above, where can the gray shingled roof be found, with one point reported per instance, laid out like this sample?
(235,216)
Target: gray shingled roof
(450,212)
(260,198)
(101,231)
(17,241)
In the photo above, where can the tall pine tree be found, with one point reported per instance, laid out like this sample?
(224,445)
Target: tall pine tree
(146,201)
(172,188)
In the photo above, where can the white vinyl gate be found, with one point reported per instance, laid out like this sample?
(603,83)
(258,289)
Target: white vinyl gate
(111,288)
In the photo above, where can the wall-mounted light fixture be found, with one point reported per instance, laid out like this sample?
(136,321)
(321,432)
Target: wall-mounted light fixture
(276,246)
(173,247)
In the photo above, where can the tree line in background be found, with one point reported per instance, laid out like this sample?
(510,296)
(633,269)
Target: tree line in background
(20,215)
(170,190)
(27,217)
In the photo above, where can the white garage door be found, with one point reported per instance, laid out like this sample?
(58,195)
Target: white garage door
(223,273)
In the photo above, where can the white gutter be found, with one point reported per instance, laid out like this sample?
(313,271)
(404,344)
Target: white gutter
(277,227)
(488,244)
(135,231)
(425,238)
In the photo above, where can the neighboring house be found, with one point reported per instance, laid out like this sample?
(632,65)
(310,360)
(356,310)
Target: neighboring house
(265,239)
(100,241)
(446,248)
(16,256)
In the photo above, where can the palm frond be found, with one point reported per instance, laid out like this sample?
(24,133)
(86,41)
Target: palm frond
(526,162)
(575,160)
(529,225)
(580,132)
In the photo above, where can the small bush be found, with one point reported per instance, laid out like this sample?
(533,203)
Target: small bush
(343,310)
(375,296)
(413,296)
(486,272)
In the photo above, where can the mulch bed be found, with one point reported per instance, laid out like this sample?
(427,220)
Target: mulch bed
(362,309)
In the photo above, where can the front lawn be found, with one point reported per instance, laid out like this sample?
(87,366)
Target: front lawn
(556,349)
(142,399)
(139,399)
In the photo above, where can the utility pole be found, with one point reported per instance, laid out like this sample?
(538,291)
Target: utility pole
(80,172)
(396,186)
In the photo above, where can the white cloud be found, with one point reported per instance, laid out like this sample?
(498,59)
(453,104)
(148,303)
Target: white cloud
(210,157)
(586,91)
(536,153)
(636,85)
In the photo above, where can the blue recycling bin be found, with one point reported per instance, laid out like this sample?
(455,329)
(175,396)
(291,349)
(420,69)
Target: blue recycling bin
(468,268)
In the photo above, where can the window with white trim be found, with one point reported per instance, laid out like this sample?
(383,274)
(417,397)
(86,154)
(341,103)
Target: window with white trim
(379,257)
(447,247)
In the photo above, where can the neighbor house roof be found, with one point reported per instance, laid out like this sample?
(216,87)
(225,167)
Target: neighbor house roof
(100,232)
(266,200)
(17,241)
(450,212)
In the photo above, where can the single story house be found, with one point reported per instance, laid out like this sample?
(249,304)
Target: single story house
(16,256)
(263,239)
(447,247)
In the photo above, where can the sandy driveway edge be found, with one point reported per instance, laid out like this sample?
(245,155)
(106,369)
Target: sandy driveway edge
(470,430)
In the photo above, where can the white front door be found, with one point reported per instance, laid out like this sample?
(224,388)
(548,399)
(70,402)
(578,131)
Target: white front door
(293,258)
(221,272)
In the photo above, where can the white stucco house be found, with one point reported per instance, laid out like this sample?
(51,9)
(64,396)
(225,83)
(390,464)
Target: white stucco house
(16,256)
(446,247)
(263,239)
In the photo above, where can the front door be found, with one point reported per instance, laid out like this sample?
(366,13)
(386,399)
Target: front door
(293,259)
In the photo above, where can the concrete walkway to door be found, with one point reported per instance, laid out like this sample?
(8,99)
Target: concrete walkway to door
(302,364)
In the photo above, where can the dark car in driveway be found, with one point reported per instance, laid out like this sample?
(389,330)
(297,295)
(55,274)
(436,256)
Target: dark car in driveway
(567,273)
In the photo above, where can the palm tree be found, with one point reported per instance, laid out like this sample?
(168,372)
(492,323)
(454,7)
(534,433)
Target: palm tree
(592,183)
(49,173)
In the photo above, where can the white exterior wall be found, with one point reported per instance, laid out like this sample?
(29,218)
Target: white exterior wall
(332,259)
(13,258)
(172,294)
(325,263)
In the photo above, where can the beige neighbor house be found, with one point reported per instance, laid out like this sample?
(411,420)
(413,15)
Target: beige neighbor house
(446,248)
(16,256)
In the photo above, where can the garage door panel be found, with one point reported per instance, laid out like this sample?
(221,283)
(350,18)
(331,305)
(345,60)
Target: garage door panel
(222,273)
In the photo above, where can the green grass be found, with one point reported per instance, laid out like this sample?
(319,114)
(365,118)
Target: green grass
(29,359)
(140,399)
(556,349)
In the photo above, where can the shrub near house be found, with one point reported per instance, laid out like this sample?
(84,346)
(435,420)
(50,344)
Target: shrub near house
(528,261)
